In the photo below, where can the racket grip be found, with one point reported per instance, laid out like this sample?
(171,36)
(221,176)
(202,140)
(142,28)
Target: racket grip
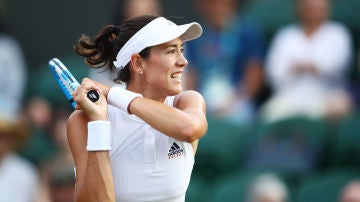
(93,95)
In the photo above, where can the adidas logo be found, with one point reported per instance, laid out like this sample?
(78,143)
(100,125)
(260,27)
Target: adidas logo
(175,151)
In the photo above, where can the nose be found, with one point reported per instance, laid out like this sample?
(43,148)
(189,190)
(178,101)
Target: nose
(182,61)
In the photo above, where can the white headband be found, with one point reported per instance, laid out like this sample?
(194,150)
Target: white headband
(156,32)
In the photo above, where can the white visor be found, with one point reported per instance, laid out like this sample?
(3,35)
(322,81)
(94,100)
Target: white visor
(156,32)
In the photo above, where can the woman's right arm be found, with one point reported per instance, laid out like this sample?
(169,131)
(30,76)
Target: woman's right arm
(93,172)
(88,132)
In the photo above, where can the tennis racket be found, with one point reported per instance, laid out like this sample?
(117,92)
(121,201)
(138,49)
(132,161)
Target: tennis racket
(67,81)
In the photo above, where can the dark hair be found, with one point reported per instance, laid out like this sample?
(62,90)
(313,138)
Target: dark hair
(103,49)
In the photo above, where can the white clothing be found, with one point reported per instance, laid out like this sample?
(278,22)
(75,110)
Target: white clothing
(18,180)
(12,78)
(328,50)
(146,164)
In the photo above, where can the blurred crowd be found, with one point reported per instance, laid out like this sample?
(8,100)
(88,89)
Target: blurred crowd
(282,103)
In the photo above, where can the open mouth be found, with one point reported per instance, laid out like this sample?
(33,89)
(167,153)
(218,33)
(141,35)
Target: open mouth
(176,75)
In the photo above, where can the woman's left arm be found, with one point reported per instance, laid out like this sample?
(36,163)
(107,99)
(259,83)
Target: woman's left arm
(186,121)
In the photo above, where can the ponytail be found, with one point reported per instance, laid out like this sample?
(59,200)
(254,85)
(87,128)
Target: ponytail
(106,45)
(99,52)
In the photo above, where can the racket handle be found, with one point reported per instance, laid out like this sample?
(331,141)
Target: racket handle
(93,95)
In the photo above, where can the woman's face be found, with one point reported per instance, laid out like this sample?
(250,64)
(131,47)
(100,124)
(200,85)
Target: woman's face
(164,68)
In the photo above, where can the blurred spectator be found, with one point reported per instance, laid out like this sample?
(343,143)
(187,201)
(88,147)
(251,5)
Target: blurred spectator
(59,136)
(351,192)
(268,188)
(13,72)
(125,9)
(39,147)
(48,148)
(131,8)
(307,66)
(355,87)
(58,171)
(19,179)
(62,184)
(225,63)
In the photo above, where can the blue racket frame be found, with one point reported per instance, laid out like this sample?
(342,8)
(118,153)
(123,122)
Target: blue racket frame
(64,78)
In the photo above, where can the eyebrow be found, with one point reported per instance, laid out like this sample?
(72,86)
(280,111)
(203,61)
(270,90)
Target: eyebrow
(175,45)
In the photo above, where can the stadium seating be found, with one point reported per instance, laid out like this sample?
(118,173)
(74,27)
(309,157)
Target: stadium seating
(293,147)
(325,187)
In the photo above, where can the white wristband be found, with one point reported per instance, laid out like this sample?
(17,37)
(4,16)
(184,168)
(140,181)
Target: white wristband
(121,98)
(99,136)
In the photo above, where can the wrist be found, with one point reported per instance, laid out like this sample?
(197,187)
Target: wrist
(121,98)
(99,136)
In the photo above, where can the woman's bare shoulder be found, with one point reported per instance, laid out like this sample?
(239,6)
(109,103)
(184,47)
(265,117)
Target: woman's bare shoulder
(77,123)
(189,96)
(77,117)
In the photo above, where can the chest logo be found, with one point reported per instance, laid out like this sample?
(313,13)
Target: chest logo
(175,151)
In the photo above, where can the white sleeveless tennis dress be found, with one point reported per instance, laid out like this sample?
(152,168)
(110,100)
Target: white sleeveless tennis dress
(146,164)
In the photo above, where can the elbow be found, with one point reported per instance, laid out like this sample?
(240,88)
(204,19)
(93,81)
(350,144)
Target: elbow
(192,132)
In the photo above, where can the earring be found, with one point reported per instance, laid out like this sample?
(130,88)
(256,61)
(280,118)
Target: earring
(140,71)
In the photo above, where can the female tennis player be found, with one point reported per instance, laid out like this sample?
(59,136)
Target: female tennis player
(137,143)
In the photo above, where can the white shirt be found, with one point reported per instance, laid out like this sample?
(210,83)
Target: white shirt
(12,77)
(18,180)
(146,164)
(328,50)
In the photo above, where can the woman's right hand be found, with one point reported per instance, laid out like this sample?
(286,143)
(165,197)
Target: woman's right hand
(94,111)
